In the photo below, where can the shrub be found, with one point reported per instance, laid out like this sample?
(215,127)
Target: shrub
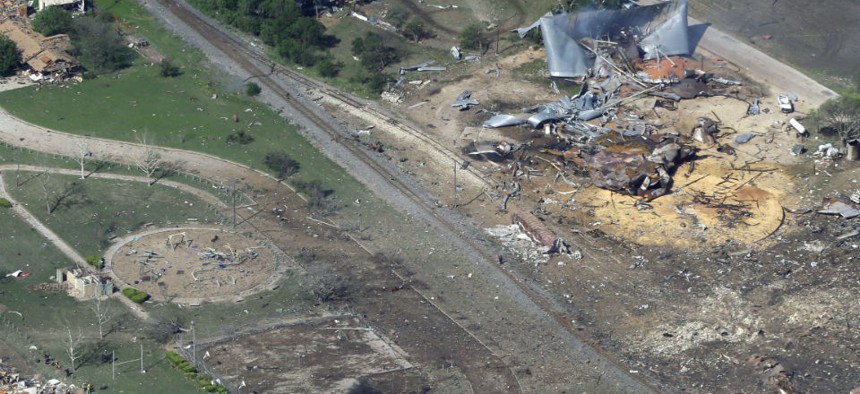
(4,203)
(416,31)
(175,358)
(137,296)
(328,68)
(473,38)
(95,261)
(169,70)
(281,163)
(252,89)
(240,137)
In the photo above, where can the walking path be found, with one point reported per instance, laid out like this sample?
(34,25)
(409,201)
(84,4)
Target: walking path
(25,215)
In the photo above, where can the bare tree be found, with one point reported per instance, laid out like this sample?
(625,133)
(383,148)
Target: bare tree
(73,346)
(843,115)
(149,160)
(103,315)
(84,153)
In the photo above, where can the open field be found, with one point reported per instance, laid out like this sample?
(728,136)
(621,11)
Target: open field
(175,112)
(94,210)
(17,156)
(44,317)
(815,37)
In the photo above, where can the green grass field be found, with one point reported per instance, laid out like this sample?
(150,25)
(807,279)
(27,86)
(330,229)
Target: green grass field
(174,112)
(105,207)
(13,155)
(44,317)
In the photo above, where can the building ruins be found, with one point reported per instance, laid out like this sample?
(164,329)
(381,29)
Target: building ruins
(46,57)
(656,30)
(620,56)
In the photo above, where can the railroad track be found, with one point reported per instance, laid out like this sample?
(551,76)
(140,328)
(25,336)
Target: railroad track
(238,52)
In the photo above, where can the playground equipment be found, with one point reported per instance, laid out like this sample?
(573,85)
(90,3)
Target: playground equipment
(173,244)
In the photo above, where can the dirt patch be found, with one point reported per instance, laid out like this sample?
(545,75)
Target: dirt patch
(193,263)
(332,354)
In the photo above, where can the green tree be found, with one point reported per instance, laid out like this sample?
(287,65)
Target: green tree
(374,81)
(416,31)
(10,56)
(373,52)
(53,20)
(252,89)
(473,37)
(328,68)
(99,47)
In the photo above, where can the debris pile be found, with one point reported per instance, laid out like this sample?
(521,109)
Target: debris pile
(620,56)
(11,381)
(464,101)
(532,226)
(656,30)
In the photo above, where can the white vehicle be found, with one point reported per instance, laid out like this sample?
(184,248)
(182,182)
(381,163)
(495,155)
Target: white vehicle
(785,104)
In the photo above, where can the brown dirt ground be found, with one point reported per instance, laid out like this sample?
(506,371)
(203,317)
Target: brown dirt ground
(182,273)
(321,355)
(705,298)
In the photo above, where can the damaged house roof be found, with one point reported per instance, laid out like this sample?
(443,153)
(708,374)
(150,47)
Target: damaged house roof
(659,29)
(42,54)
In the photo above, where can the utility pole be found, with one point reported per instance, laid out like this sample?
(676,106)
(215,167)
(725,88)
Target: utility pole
(113,364)
(455,181)
(234,203)
(141,358)
(193,344)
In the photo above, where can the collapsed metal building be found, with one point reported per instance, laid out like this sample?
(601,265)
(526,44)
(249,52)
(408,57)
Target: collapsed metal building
(618,56)
(654,31)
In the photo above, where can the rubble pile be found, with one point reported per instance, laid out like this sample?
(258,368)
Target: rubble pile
(11,381)
(596,130)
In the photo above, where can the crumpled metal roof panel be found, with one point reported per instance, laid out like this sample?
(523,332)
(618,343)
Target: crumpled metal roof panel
(664,26)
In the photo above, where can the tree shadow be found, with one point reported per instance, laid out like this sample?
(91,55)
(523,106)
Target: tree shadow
(168,170)
(72,194)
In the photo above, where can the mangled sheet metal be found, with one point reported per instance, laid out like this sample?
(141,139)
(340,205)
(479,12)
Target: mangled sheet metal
(836,207)
(426,66)
(657,30)
(484,150)
(464,101)
(503,120)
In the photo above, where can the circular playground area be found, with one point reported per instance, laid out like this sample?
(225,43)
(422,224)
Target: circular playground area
(190,265)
